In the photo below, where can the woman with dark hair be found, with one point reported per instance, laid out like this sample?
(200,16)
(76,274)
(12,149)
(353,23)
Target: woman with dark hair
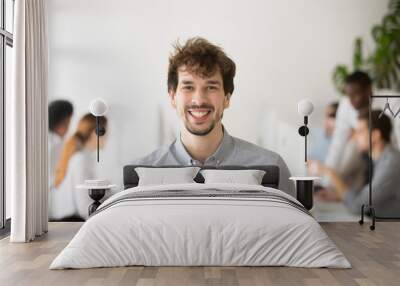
(60,113)
(75,166)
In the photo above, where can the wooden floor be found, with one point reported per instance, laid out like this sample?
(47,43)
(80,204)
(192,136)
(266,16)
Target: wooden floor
(375,257)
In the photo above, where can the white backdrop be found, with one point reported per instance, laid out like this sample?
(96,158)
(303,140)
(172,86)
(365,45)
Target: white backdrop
(285,50)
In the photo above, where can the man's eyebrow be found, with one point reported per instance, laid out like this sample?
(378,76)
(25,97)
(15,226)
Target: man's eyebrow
(187,81)
(217,82)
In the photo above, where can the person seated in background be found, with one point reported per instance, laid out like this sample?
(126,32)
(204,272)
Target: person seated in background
(200,86)
(321,138)
(77,164)
(352,168)
(60,114)
(386,170)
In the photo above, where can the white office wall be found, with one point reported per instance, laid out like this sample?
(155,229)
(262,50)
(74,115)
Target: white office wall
(285,50)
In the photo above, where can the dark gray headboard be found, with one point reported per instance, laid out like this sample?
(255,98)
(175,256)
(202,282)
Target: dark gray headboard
(270,179)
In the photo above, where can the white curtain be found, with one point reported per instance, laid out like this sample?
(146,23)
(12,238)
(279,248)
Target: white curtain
(28,122)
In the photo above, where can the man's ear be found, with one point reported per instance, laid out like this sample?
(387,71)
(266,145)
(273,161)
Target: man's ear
(172,97)
(227,100)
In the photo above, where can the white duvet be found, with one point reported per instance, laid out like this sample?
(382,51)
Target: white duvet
(200,231)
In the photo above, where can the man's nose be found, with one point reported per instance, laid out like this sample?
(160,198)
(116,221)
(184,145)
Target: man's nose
(199,97)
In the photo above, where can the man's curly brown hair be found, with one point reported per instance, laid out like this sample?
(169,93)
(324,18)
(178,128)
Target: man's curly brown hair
(202,58)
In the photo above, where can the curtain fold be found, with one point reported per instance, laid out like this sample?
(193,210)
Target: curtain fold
(29,122)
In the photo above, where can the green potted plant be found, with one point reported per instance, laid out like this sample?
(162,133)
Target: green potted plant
(383,63)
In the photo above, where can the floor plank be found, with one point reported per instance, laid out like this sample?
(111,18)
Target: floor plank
(375,257)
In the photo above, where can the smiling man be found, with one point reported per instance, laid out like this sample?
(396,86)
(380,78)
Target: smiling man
(200,86)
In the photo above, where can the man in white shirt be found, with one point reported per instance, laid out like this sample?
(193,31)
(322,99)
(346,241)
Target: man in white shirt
(358,89)
(60,113)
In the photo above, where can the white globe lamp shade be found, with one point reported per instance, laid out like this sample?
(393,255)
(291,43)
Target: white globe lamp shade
(98,107)
(305,107)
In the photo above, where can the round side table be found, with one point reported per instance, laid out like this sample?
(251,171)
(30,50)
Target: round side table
(96,193)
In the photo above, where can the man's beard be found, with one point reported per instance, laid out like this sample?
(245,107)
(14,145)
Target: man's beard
(202,132)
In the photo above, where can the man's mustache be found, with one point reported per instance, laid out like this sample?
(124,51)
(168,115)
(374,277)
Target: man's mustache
(195,106)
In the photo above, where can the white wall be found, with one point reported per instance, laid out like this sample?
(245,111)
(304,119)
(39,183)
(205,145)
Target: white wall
(285,50)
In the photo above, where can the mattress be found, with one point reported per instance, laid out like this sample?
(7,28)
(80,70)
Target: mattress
(201,225)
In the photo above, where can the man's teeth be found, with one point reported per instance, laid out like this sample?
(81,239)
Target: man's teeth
(199,113)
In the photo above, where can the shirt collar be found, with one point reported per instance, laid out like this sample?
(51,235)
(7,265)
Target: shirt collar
(54,137)
(223,150)
(386,152)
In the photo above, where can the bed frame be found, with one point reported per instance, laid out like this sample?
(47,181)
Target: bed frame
(270,179)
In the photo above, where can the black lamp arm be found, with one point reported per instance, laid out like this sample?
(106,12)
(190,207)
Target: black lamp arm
(100,131)
(303,131)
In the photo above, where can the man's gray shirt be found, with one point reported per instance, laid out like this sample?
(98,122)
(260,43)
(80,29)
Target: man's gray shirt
(231,151)
(385,186)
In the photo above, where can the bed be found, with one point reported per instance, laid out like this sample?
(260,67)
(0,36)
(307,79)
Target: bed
(198,224)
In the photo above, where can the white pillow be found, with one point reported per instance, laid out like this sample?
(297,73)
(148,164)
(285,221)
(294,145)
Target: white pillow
(249,177)
(162,176)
